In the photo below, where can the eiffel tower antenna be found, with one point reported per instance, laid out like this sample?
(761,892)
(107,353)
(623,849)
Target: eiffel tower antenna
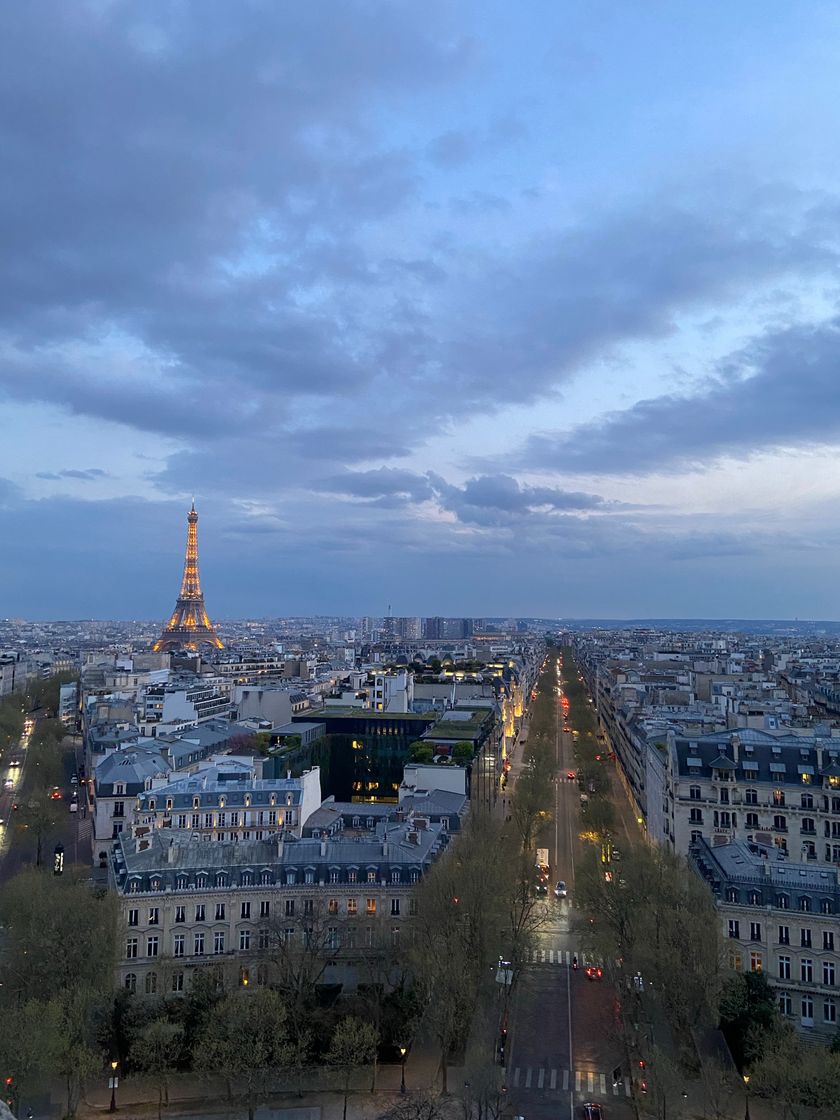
(189,626)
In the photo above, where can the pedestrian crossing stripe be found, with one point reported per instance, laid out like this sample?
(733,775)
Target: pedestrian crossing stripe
(587,1082)
(556,956)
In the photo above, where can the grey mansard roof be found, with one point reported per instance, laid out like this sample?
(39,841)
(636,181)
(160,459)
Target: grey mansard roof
(756,755)
(209,788)
(176,862)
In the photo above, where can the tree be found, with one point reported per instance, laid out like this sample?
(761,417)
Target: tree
(421,1105)
(40,815)
(157,1052)
(421,752)
(353,1046)
(749,1016)
(247,1040)
(463,751)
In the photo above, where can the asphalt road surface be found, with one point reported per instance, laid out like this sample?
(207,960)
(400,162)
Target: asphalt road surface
(564,1040)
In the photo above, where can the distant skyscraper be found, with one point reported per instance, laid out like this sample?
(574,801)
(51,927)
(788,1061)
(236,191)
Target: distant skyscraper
(433,628)
(189,626)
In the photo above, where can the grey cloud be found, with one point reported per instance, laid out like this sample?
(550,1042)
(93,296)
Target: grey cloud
(451,149)
(88,475)
(781,391)
(385,482)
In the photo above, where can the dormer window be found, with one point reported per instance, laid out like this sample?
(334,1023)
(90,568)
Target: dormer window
(155,884)
(119,789)
(196,802)
(247,801)
(246,878)
(221,802)
(151,804)
(201,881)
(273,799)
(169,803)
(221,879)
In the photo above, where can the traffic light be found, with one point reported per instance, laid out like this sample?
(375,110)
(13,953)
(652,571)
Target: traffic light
(641,1063)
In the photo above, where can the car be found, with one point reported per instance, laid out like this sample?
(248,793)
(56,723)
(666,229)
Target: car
(570,774)
(8,783)
(594,972)
(74,781)
(55,793)
(615,853)
(560,890)
(593,1111)
(541,887)
(14,763)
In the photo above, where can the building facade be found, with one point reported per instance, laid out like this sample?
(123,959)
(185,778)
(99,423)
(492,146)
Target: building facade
(779,918)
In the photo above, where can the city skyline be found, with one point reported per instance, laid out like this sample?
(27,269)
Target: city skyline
(448,309)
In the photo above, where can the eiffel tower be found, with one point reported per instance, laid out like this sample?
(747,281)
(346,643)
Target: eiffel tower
(189,626)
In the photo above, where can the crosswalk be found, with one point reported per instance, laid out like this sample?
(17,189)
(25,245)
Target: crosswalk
(586,1081)
(557,956)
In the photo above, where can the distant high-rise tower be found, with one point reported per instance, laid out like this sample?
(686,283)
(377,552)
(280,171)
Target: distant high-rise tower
(189,627)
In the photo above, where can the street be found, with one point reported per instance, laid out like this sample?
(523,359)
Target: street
(564,1038)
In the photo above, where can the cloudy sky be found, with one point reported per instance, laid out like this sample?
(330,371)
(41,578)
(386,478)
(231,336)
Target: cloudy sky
(467,308)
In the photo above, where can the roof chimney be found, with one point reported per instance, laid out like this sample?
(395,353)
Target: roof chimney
(170,854)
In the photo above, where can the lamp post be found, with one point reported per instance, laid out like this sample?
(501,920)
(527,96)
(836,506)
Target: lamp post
(112,1107)
(746,1096)
(403,1052)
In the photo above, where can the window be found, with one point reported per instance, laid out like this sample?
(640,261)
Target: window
(262,939)
(785,1005)
(218,942)
(784,968)
(208,820)
(265,876)
(778,797)
(805,938)
(371,876)
(723,795)
(199,912)
(195,820)
(180,914)
(395,907)
(752,820)
(807,1007)
(244,977)
(234,820)
(829,1012)
(290,908)
(828,940)
(333,876)
(805,904)
(731,894)
(825,906)
(370,907)
(221,879)
(265,908)
(780,823)
(131,947)
(783,902)
(332,906)
(696,816)
(244,939)
(152,946)
(755,961)
(177,981)
(119,809)
(784,935)
(308,906)
(412,907)
(154,916)
(133,917)
(198,945)
(755,931)
(291,876)
(245,911)
(201,881)
(130,982)
(178,945)
(806,970)
(695,837)
(750,796)
(288,935)
(182,820)
(828,973)
(808,827)
(351,875)
(352,907)
(734,960)
(332,937)
(220,911)
(694,793)
(395,876)
(807,800)
(734,927)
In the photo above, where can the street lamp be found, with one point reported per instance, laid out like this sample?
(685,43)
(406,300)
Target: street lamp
(113,1082)
(403,1052)
(746,1096)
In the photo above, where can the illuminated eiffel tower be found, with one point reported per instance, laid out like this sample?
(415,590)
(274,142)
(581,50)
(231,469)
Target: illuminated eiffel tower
(189,626)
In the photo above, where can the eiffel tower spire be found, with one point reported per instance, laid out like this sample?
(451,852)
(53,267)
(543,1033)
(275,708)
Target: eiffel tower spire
(189,626)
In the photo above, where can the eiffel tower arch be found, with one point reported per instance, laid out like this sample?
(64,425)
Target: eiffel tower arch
(189,625)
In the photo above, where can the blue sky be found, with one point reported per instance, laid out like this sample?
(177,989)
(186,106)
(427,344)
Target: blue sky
(466,308)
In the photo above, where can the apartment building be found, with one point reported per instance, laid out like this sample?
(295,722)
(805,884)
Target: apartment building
(188,904)
(779,918)
(216,805)
(778,790)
